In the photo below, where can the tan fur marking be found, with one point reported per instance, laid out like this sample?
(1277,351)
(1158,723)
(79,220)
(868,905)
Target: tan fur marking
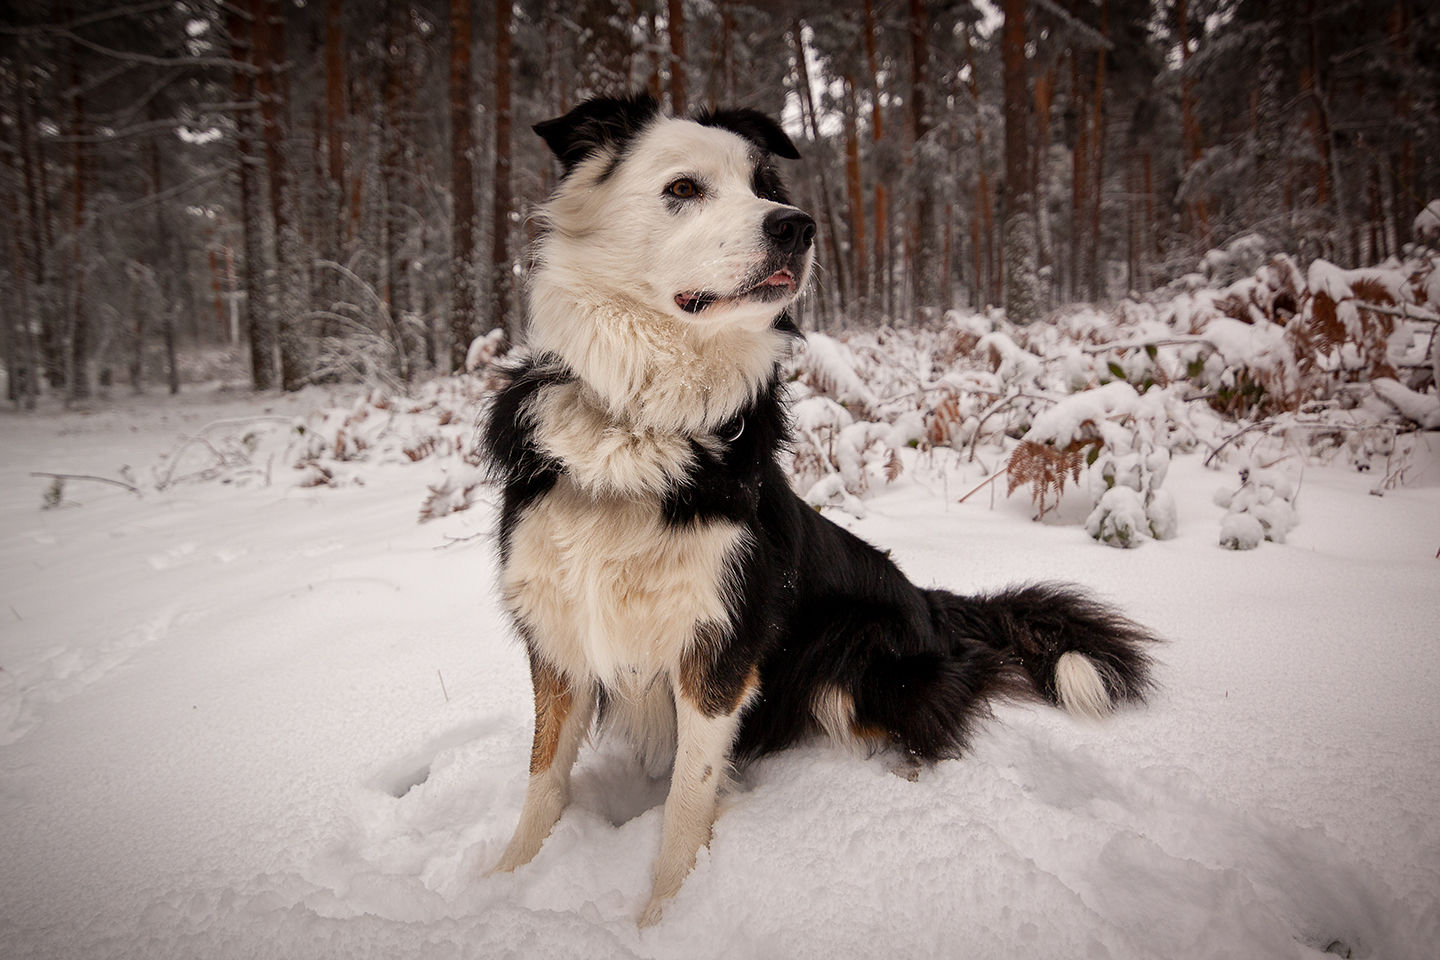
(712,695)
(608,590)
(553,701)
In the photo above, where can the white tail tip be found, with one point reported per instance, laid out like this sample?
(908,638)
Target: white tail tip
(1079,686)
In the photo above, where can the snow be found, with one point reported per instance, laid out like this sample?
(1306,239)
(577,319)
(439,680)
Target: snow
(1423,409)
(1427,223)
(256,718)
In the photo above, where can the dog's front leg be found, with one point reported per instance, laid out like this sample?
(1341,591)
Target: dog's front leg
(702,758)
(563,710)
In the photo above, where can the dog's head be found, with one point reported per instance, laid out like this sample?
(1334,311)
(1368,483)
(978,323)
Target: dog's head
(687,218)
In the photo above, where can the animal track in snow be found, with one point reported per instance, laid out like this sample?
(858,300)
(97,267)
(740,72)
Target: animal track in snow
(63,672)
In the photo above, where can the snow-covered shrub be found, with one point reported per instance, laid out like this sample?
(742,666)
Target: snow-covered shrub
(1122,437)
(837,459)
(484,349)
(1263,508)
(1427,223)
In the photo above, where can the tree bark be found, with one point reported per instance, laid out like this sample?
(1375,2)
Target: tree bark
(855,194)
(812,128)
(30,238)
(462,209)
(1194,213)
(921,239)
(883,279)
(675,28)
(393,182)
(78,375)
(1021,281)
(19,320)
(982,221)
(502,266)
(288,275)
(257,315)
(1079,184)
(1097,142)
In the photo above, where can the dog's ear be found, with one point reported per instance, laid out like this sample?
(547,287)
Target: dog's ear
(596,123)
(753,126)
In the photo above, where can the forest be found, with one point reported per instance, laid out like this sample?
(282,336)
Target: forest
(327,192)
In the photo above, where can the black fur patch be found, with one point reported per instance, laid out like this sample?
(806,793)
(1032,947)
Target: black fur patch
(766,182)
(754,126)
(516,462)
(596,124)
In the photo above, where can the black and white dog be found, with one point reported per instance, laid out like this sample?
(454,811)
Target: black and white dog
(664,577)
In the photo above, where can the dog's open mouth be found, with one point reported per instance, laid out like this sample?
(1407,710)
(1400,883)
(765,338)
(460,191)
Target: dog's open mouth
(777,285)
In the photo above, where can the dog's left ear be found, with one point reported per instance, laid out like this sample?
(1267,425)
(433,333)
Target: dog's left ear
(753,126)
(595,124)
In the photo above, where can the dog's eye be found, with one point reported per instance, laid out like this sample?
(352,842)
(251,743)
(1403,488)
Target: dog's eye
(684,189)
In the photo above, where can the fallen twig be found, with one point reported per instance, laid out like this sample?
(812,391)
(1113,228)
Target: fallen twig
(85,476)
(985,483)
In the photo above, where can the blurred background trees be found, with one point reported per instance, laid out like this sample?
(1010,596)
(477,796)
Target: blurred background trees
(339,191)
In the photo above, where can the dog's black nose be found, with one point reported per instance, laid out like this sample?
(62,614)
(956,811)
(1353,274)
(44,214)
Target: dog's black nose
(790,230)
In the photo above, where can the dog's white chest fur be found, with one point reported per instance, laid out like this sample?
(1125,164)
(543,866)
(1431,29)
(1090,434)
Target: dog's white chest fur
(609,590)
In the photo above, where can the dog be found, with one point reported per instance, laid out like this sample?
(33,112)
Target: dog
(666,581)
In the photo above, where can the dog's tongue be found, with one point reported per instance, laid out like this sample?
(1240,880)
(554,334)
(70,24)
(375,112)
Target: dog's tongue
(780,278)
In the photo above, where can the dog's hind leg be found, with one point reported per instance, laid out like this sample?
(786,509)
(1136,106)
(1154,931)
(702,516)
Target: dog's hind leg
(704,738)
(563,710)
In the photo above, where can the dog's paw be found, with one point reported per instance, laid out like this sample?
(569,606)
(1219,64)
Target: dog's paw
(653,909)
(512,860)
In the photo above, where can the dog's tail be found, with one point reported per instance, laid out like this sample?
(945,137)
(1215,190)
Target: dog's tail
(1050,641)
(1076,652)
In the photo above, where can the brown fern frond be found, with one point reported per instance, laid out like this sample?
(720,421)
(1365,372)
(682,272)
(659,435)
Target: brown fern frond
(1045,468)
(944,421)
(1326,330)
(1235,307)
(893,467)
(421,450)
(1372,290)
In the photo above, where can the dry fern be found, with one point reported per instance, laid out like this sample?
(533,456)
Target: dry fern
(1045,468)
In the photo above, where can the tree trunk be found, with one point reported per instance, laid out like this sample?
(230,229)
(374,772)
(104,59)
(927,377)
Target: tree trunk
(79,354)
(257,317)
(1079,185)
(287,277)
(18,322)
(1039,178)
(335,91)
(921,239)
(982,222)
(1021,281)
(1194,216)
(855,194)
(30,238)
(675,27)
(462,209)
(502,268)
(1097,141)
(393,183)
(811,126)
(883,279)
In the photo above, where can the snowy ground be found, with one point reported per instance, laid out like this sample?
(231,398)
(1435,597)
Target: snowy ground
(276,721)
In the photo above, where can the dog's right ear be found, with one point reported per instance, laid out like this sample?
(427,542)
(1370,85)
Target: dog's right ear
(596,123)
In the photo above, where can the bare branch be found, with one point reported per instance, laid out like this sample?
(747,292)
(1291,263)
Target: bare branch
(134,57)
(111,14)
(179,188)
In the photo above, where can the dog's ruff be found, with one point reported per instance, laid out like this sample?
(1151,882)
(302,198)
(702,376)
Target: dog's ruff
(666,581)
